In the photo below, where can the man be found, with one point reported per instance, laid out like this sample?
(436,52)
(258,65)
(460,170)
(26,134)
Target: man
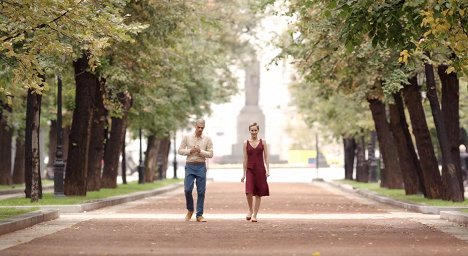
(197,148)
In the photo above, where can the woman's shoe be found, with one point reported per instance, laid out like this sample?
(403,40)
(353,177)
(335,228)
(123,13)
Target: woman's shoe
(254,220)
(248,218)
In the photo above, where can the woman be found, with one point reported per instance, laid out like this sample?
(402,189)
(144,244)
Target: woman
(255,173)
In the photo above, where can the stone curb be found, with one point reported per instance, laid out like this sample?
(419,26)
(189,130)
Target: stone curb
(27,220)
(455,216)
(50,212)
(460,217)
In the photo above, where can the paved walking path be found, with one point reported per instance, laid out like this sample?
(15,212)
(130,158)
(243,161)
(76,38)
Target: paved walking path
(297,219)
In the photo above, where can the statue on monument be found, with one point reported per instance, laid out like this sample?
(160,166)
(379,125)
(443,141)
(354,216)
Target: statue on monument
(250,112)
(252,83)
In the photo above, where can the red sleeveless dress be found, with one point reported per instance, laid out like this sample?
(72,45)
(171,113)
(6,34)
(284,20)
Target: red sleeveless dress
(256,181)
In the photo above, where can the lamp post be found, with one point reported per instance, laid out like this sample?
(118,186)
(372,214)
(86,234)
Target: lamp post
(58,162)
(141,166)
(175,157)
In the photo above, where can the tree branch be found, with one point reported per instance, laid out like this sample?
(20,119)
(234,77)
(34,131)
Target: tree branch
(40,26)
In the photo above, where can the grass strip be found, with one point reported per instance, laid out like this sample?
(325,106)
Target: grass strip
(122,189)
(6,213)
(399,194)
(45,182)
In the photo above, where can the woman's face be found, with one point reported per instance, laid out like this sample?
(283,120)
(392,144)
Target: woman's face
(253,131)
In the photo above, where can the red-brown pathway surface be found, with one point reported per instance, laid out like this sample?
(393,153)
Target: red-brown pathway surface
(297,219)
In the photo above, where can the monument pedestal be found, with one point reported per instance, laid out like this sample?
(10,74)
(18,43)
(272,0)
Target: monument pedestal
(250,113)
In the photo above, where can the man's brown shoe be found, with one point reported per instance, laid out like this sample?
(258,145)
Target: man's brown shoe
(188,216)
(201,219)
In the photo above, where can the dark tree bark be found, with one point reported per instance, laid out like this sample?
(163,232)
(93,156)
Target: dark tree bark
(18,166)
(114,144)
(399,128)
(163,157)
(32,157)
(430,170)
(52,148)
(451,114)
(392,172)
(97,141)
(77,160)
(449,175)
(124,162)
(151,158)
(362,168)
(372,161)
(6,138)
(66,142)
(349,145)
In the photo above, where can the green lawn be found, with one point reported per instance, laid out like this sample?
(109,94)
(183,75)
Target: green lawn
(399,194)
(45,182)
(6,213)
(51,199)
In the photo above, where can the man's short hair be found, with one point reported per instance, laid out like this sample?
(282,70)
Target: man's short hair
(200,121)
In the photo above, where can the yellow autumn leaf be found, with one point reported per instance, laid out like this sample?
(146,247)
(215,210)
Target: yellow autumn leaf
(450,70)
(9,101)
(403,57)
(462,12)
(427,33)
(316,254)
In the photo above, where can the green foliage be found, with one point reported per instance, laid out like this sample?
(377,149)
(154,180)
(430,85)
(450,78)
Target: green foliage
(38,35)
(181,62)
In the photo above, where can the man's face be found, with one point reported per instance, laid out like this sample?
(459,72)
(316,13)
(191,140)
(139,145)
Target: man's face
(199,129)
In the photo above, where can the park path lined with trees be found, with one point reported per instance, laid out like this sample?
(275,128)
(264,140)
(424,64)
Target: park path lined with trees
(150,67)
(297,219)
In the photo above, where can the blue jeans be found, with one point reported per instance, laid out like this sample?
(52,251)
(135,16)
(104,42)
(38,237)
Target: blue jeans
(195,173)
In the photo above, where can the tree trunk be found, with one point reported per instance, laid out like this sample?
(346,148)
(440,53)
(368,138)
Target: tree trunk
(408,166)
(97,141)
(349,145)
(65,142)
(451,114)
(6,138)
(430,170)
(372,161)
(151,156)
(449,175)
(392,176)
(163,157)
(32,156)
(77,160)
(114,145)
(124,162)
(166,158)
(18,167)
(52,148)
(362,168)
